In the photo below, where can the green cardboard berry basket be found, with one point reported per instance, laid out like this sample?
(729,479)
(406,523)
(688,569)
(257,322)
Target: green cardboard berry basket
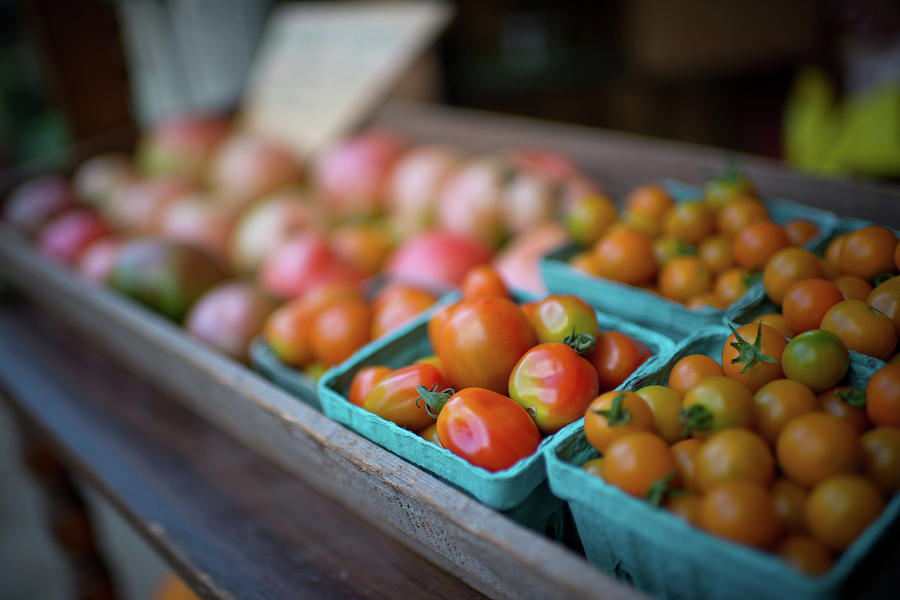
(264,361)
(664,556)
(521,490)
(652,310)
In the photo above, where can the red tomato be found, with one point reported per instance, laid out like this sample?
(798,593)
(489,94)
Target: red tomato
(396,396)
(363,382)
(483,281)
(615,356)
(625,255)
(397,305)
(554,385)
(482,341)
(437,321)
(339,330)
(869,251)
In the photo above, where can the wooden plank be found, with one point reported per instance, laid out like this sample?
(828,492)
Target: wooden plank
(621,161)
(485,549)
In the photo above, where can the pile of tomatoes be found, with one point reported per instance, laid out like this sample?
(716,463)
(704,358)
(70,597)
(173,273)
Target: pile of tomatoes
(852,291)
(502,375)
(766,448)
(700,253)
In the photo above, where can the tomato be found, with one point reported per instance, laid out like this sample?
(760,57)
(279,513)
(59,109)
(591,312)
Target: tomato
(881,457)
(853,287)
(686,507)
(790,505)
(832,259)
(482,281)
(752,355)
(432,360)
(685,454)
(639,464)
(869,251)
(756,243)
(558,317)
(732,284)
(364,246)
(625,255)
(665,405)
(689,370)
(733,454)
(690,221)
(397,305)
(363,382)
(717,403)
(683,278)
(706,299)
(396,396)
(615,356)
(437,321)
(650,199)
(436,259)
(430,434)
(482,341)
(847,404)
(815,446)
(584,262)
(727,187)
(807,301)
(486,428)
(666,247)
(805,554)
(816,358)
(554,385)
(742,512)
(862,328)
(740,213)
(800,231)
(613,415)
(716,253)
(643,222)
(778,402)
(883,397)
(339,330)
(886,298)
(594,467)
(787,267)
(840,508)
(777,321)
(588,218)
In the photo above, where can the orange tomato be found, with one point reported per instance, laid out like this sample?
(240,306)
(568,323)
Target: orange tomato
(777,321)
(686,507)
(690,221)
(853,287)
(800,231)
(862,328)
(684,277)
(787,267)
(805,554)
(869,251)
(666,247)
(779,402)
(756,243)
(717,253)
(625,255)
(736,215)
(815,446)
(883,397)
(689,370)
(731,284)
(481,282)
(584,262)
(339,330)
(364,380)
(437,321)
(790,504)
(650,199)
(752,355)
(430,434)
(396,305)
(685,454)
(594,467)
(665,405)
(881,457)
(615,356)
(807,301)
(636,463)
(588,218)
(840,508)
(717,403)
(742,512)
(886,298)
(706,299)
(847,404)
(613,415)
(832,259)
(361,245)
(733,454)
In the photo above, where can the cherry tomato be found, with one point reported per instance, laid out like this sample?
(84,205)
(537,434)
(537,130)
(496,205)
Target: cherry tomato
(594,467)
(613,415)
(364,246)
(816,358)
(437,321)
(637,463)
(588,218)
(752,355)
(805,554)
(790,505)
(847,404)
(683,278)
(665,405)
(853,287)
(800,231)
(734,454)
(585,262)
(363,382)
(626,255)
(396,396)
(430,434)
(740,213)
(869,251)
(777,321)
(706,299)
(756,243)
(881,457)
(732,284)
(486,428)
(483,281)
(815,446)
(779,402)
(717,403)
(685,454)
(666,248)
(686,507)
(554,385)
(557,317)
(807,301)
(883,397)
(689,370)
(691,221)
(862,328)
(886,298)
(727,187)
(832,259)
(482,341)
(339,330)
(395,306)
(716,253)
(615,356)
(651,199)
(787,267)
(742,512)
(840,508)
(643,222)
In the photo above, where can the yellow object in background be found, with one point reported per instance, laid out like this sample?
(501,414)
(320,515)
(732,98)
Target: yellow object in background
(859,135)
(171,587)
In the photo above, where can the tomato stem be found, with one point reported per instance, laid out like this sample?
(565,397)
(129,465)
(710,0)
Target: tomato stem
(853,396)
(579,342)
(748,353)
(434,400)
(695,417)
(659,489)
(616,414)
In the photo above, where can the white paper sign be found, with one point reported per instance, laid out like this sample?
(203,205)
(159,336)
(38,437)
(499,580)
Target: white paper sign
(323,66)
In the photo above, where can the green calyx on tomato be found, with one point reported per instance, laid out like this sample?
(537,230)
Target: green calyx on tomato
(853,396)
(695,417)
(748,353)
(661,489)
(616,414)
(433,398)
(579,342)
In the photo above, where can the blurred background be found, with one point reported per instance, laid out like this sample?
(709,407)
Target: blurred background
(815,82)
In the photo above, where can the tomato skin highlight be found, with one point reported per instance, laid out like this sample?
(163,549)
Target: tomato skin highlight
(487,429)
(395,397)
(554,385)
